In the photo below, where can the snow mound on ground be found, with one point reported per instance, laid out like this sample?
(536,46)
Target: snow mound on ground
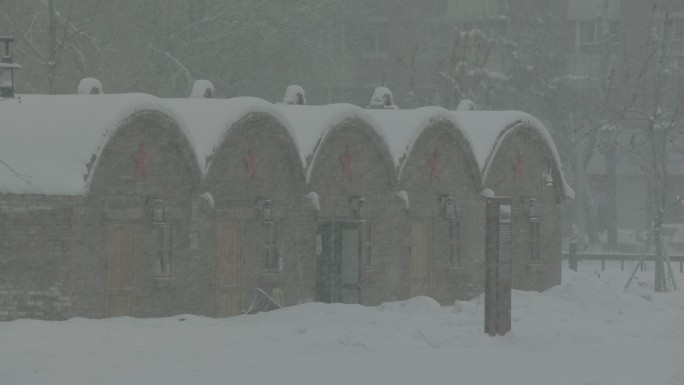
(414,305)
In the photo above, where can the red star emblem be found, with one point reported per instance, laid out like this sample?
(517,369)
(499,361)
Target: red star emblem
(347,163)
(518,165)
(251,160)
(142,159)
(436,164)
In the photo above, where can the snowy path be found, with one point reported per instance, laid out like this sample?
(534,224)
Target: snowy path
(585,332)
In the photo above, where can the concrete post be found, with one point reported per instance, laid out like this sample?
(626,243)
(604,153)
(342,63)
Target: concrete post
(498,266)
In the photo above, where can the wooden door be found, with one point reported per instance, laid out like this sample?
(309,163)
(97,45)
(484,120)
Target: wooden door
(119,250)
(325,253)
(349,259)
(420,258)
(338,262)
(229,267)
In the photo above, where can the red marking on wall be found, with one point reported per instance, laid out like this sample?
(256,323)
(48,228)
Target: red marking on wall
(251,160)
(347,163)
(518,165)
(142,160)
(436,164)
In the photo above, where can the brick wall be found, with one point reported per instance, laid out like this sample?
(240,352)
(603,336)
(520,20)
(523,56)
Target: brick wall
(239,196)
(535,158)
(459,177)
(54,251)
(119,195)
(38,236)
(373,176)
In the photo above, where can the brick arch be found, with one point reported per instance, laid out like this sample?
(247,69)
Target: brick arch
(323,149)
(451,247)
(130,253)
(115,160)
(543,144)
(259,130)
(536,156)
(347,234)
(257,160)
(464,148)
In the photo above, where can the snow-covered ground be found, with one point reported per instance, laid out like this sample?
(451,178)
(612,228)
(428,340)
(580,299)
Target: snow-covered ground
(586,332)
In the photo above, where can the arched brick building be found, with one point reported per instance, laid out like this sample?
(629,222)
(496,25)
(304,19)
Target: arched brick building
(446,214)
(134,205)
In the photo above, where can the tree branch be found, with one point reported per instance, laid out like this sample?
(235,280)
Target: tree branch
(177,62)
(25,178)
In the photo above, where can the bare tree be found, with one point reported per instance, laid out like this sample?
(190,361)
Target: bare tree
(49,30)
(646,100)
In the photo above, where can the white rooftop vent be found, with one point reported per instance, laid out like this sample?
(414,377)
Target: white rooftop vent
(382,98)
(466,105)
(294,94)
(202,89)
(89,86)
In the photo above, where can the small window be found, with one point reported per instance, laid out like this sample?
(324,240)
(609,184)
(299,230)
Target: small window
(164,259)
(587,32)
(338,38)
(531,208)
(502,7)
(615,30)
(674,30)
(365,243)
(435,34)
(593,36)
(374,40)
(272,261)
(678,29)
(533,240)
(454,243)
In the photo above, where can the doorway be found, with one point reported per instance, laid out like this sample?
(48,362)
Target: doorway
(420,258)
(229,267)
(119,253)
(342,248)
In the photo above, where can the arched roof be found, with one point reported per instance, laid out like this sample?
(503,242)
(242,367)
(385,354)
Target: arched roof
(404,127)
(312,126)
(207,122)
(49,142)
(488,130)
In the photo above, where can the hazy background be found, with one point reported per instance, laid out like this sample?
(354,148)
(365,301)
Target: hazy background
(605,76)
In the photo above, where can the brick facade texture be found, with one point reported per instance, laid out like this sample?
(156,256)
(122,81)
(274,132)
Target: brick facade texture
(55,251)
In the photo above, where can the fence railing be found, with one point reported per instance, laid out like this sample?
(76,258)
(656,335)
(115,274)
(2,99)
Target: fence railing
(621,257)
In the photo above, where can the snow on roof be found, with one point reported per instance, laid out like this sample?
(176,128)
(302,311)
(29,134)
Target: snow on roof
(207,121)
(487,130)
(312,124)
(403,127)
(48,141)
